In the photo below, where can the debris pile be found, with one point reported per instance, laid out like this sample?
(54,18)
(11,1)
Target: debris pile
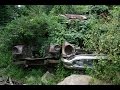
(71,56)
(9,81)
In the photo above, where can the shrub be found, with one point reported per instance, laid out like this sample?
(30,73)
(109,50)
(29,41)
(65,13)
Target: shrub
(104,38)
(40,29)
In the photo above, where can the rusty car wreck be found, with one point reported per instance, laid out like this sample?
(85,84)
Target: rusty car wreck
(72,57)
(67,53)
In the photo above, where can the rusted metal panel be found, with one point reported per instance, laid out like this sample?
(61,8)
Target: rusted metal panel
(53,61)
(18,49)
(35,61)
(54,51)
(67,49)
(76,67)
(20,62)
(79,61)
(75,16)
(54,48)
(72,57)
(22,51)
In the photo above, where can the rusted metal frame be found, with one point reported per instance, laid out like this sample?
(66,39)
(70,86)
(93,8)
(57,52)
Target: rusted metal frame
(35,61)
(81,58)
(86,56)
(76,66)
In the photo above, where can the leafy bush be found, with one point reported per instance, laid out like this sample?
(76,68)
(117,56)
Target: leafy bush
(5,59)
(104,37)
(98,9)
(37,28)
(81,9)
(62,9)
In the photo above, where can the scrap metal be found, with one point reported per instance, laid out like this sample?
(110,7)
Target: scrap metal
(71,56)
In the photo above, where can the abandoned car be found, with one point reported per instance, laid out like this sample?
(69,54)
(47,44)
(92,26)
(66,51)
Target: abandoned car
(72,57)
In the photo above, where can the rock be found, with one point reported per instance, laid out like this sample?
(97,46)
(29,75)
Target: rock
(25,84)
(3,80)
(76,80)
(46,78)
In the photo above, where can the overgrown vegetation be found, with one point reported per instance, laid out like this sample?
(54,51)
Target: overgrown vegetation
(105,38)
(41,25)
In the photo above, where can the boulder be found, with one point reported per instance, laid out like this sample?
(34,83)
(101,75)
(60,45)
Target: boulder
(76,80)
(47,78)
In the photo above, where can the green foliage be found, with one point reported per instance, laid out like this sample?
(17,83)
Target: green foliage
(62,9)
(104,37)
(70,9)
(76,31)
(28,76)
(40,25)
(33,77)
(81,9)
(47,8)
(5,14)
(14,72)
(5,59)
(39,30)
(21,11)
(61,72)
(11,12)
(98,9)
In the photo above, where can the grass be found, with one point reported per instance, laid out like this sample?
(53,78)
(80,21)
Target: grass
(30,76)
(95,81)
(5,59)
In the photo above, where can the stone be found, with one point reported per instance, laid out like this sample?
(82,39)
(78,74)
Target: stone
(46,78)
(1,79)
(76,80)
